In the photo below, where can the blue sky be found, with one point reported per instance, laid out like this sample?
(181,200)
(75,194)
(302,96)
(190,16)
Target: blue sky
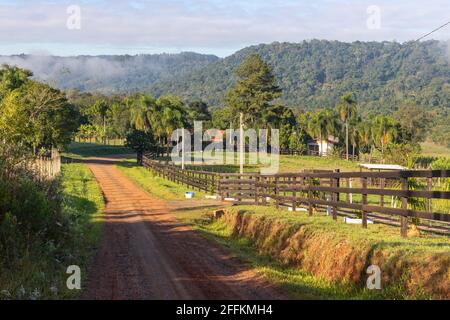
(209,26)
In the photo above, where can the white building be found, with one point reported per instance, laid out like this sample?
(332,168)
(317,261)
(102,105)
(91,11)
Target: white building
(322,147)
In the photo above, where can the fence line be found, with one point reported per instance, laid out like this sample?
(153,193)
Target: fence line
(360,193)
(47,167)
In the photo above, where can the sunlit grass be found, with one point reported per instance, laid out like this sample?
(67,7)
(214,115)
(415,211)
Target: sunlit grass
(77,150)
(156,186)
(301,284)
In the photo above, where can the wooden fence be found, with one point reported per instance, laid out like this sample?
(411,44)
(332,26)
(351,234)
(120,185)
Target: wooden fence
(47,167)
(362,194)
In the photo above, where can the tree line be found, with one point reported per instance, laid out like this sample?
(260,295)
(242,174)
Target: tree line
(255,94)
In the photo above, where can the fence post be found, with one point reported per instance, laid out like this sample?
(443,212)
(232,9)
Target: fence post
(335,194)
(404,218)
(256,189)
(429,200)
(277,204)
(294,186)
(364,202)
(264,190)
(382,185)
(310,196)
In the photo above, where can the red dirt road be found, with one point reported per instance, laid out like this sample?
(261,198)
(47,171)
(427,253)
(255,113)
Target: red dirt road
(146,253)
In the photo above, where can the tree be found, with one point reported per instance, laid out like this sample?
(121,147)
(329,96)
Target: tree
(198,111)
(12,77)
(365,136)
(221,118)
(347,112)
(172,115)
(385,131)
(37,116)
(282,118)
(139,141)
(142,107)
(255,89)
(101,108)
(323,124)
(414,121)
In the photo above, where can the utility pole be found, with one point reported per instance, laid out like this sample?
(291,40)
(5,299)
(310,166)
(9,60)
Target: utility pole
(241,143)
(183,150)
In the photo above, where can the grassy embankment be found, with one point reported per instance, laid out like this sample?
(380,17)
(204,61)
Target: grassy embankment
(315,257)
(40,254)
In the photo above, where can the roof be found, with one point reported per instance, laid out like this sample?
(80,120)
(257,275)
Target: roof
(382,167)
(330,139)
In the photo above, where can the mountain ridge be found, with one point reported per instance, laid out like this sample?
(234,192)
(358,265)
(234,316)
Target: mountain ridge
(312,74)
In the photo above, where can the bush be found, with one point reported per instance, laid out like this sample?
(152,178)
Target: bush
(441,164)
(30,212)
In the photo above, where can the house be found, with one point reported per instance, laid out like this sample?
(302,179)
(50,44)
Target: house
(322,147)
(219,137)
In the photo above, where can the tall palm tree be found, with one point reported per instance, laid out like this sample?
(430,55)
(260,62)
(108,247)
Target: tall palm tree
(140,107)
(347,112)
(364,131)
(323,124)
(384,131)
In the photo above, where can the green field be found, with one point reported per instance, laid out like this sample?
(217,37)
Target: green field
(77,150)
(431,149)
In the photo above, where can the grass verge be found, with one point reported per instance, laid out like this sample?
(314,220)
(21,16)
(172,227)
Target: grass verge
(156,186)
(38,270)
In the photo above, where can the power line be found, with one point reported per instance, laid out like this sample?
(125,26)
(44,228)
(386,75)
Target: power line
(424,36)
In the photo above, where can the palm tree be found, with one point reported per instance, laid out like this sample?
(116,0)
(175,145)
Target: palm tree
(347,112)
(172,115)
(364,130)
(323,124)
(140,107)
(101,108)
(384,131)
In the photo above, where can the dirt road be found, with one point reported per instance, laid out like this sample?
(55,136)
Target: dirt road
(146,253)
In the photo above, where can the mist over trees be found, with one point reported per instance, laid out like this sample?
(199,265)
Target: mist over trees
(314,74)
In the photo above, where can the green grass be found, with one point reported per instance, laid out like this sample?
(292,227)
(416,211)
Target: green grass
(298,163)
(287,164)
(156,186)
(431,149)
(77,150)
(84,200)
(41,272)
(299,283)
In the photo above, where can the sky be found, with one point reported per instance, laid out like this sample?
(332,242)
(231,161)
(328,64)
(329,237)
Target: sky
(218,27)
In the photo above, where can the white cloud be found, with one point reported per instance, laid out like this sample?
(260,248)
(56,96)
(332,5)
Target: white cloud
(215,25)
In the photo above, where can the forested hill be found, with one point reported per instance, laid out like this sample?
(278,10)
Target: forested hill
(316,73)
(312,74)
(109,74)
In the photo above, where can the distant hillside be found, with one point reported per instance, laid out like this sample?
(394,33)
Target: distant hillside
(312,74)
(110,74)
(316,73)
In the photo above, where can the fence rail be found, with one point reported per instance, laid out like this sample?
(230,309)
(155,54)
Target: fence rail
(361,193)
